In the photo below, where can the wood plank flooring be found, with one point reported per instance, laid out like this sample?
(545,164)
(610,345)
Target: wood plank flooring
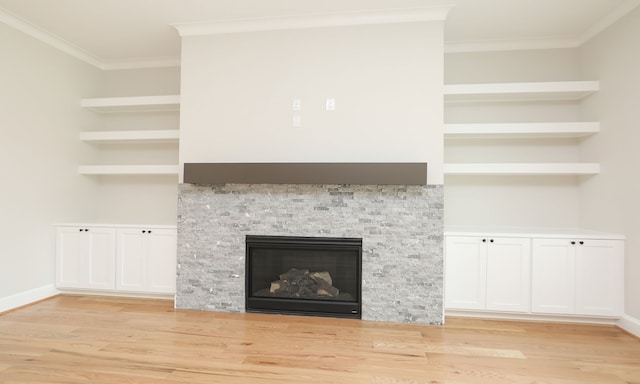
(86,339)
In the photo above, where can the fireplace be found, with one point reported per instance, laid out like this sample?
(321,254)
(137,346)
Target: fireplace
(401,228)
(317,276)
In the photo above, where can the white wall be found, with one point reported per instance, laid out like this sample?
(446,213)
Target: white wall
(142,82)
(511,66)
(237,92)
(40,117)
(610,201)
(521,201)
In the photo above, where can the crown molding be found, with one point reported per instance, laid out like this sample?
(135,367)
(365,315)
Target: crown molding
(62,45)
(621,11)
(403,15)
(550,43)
(47,37)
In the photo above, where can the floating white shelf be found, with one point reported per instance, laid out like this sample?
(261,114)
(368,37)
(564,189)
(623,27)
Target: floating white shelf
(520,130)
(522,169)
(128,169)
(116,137)
(133,104)
(500,92)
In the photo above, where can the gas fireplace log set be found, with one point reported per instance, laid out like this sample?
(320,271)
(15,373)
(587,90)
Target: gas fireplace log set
(301,283)
(304,275)
(297,283)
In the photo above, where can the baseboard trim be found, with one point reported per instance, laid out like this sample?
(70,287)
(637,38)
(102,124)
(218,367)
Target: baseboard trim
(27,297)
(133,295)
(630,324)
(531,317)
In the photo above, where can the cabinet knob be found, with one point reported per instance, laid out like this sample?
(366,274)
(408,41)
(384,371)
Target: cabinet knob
(573,243)
(582,242)
(149,231)
(484,240)
(143,231)
(491,240)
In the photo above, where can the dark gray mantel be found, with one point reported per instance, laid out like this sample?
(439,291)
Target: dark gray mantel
(306,173)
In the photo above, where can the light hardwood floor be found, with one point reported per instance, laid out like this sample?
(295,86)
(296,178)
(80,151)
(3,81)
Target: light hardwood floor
(84,339)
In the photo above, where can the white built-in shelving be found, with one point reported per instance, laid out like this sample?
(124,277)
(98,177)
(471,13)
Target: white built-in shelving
(123,137)
(128,169)
(497,93)
(531,91)
(132,104)
(124,105)
(521,130)
(522,169)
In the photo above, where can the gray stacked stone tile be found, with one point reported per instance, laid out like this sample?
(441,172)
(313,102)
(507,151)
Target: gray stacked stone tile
(401,228)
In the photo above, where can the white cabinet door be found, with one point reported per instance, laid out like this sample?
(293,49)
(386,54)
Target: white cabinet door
(146,260)
(102,260)
(508,274)
(553,276)
(85,257)
(599,277)
(161,256)
(70,252)
(131,260)
(578,277)
(465,272)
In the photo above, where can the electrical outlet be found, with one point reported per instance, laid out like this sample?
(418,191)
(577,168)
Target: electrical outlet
(331,104)
(296,121)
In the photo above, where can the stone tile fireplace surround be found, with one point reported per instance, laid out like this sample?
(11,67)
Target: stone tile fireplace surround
(401,227)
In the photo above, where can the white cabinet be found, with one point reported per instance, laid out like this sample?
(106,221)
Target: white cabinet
(85,257)
(487,273)
(146,260)
(578,276)
(118,259)
(568,273)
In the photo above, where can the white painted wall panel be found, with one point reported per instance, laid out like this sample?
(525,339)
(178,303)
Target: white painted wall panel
(238,89)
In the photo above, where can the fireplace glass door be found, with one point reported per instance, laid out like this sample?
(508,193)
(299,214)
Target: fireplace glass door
(304,275)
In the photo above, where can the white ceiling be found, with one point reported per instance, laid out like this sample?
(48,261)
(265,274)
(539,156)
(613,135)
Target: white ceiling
(129,33)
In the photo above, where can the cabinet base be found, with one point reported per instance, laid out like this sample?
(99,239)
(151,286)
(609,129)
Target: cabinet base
(138,295)
(531,317)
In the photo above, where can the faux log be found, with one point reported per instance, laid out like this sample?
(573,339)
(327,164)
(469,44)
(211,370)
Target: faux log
(326,289)
(276,286)
(322,275)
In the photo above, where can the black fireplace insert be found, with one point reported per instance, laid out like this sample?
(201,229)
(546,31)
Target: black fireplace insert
(316,276)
